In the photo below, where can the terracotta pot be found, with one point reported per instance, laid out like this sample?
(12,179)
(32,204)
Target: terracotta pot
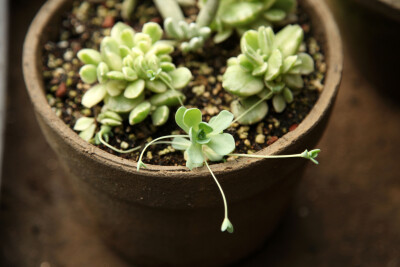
(170,215)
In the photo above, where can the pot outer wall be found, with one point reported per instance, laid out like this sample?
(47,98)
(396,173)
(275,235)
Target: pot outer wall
(169,215)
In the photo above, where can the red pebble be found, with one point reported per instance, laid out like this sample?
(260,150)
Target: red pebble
(108,22)
(62,90)
(293,127)
(272,140)
(156,20)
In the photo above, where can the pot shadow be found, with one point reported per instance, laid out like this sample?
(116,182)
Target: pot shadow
(373,41)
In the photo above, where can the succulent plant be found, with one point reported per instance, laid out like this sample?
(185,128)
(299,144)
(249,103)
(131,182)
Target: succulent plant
(243,15)
(191,36)
(134,74)
(270,67)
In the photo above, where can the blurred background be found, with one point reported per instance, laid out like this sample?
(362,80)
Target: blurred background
(345,213)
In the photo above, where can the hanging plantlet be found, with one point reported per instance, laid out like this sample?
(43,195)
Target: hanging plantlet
(270,67)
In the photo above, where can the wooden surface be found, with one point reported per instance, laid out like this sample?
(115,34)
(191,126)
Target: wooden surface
(345,213)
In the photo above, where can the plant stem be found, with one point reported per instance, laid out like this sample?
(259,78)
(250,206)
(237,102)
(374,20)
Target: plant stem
(172,88)
(252,107)
(207,13)
(116,149)
(153,141)
(169,9)
(265,156)
(220,189)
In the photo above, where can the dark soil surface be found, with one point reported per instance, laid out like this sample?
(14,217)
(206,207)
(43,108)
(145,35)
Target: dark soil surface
(85,26)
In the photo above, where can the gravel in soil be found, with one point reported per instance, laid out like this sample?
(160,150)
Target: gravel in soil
(87,23)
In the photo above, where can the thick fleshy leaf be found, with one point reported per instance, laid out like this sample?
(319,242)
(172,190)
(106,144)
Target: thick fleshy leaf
(89,56)
(109,44)
(180,77)
(241,13)
(307,64)
(117,29)
(180,143)
(88,133)
(162,48)
(122,104)
(288,40)
(102,70)
(195,155)
(179,119)
(222,36)
(249,40)
(160,116)
(245,63)
(167,66)
(169,98)
(211,154)
(192,118)
(274,65)
(265,39)
(289,63)
(115,87)
(221,122)
(139,113)
(127,36)
(115,75)
(130,74)
(133,90)
(88,73)
(94,95)
(113,60)
(109,115)
(239,82)
(287,5)
(153,30)
(294,81)
(156,86)
(110,122)
(274,15)
(83,123)
(287,95)
(253,116)
(222,144)
(279,103)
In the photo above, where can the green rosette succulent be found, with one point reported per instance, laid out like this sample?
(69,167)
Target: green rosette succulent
(243,15)
(207,140)
(133,73)
(270,67)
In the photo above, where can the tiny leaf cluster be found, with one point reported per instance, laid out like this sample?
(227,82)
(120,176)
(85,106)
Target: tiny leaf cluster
(269,67)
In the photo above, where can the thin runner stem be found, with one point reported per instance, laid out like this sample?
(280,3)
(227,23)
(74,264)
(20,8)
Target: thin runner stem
(116,149)
(220,189)
(252,107)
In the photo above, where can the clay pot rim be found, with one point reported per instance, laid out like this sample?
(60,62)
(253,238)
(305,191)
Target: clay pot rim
(34,83)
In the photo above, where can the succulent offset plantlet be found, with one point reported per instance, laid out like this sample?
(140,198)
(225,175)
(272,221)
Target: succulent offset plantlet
(135,74)
(270,67)
(191,36)
(208,142)
(243,15)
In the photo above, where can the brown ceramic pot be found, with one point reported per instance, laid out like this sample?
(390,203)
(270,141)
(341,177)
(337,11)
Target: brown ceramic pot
(170,215)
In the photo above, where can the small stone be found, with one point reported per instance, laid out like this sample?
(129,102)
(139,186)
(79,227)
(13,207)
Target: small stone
(247,143)
(260,139)
(68,55)
(62,44)
(272,140)
(86,112)
(199,90)
(124,145)
(243,132)
(212,79)
(260,128)
(62,90)
(149,155)
(293,127)
(72,93)
(108,22)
